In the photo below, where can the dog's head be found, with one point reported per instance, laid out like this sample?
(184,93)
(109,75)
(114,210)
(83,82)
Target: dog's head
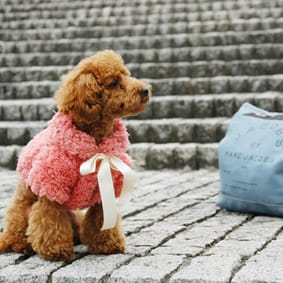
(101,86)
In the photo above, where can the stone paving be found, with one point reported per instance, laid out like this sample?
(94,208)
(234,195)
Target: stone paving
(175,233)
(204,59)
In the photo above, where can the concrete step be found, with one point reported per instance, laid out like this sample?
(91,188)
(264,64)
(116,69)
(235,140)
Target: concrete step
(156,131)
(195,106)
(40,109)
(161,87)
(206,5)
(157,70)
(18,132)
(169,55)
(143,15)
(204,59)
(128,8)
(175,155)
(204,130)
(147,155)
(144,42)
(141,29)
(217,85)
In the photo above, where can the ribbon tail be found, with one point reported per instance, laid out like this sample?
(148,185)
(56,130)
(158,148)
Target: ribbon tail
(107,195)
(130,179)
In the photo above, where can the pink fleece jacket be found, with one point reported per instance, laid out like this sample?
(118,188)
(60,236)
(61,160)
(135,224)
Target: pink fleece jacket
(50,162)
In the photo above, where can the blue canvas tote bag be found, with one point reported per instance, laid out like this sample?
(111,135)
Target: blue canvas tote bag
(251,162)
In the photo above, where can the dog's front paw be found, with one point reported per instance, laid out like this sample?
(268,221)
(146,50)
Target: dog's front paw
(54,253)
(55,244)
(110,241)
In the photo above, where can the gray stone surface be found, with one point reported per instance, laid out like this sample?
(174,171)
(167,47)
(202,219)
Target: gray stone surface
(175,233)
(204,60)
(264,266)
(151,268)
(33,269)
(89,269)
(207,269)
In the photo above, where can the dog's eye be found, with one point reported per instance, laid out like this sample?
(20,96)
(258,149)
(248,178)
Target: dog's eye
(99,95)
(90,105)
(114,83)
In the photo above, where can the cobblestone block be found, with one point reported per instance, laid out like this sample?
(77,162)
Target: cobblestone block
(207,269)
(207,155)
(29,112)
(266,101)
(181,106)
(17,135)
(199,86)
(207,130)
(185,156)
(163,132)
(90,268)
(243,243)
(163,107)
(224,105)
(33,269)
(147,269)
(12,113)
(148,236)
(264,266)
(258,85)
(185,131)
(139,152)
(160,156)
(8,156)
(192,241)
(275,82)
(9,259)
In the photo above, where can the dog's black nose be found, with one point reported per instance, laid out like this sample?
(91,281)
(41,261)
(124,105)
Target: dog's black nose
(144,92)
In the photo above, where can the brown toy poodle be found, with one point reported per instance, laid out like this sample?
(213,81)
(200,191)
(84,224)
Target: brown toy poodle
(91,100)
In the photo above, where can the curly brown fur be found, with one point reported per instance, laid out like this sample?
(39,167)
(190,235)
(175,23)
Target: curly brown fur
(16,221)
(105,241)
(98,90)
(50,230)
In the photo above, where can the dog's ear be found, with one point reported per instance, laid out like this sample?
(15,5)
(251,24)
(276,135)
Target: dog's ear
(79,93)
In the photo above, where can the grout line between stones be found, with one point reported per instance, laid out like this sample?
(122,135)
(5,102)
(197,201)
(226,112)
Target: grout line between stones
(246,258)
(188,259)
(176,196)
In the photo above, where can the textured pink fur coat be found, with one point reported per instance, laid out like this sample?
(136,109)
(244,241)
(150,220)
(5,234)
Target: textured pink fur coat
(50,162)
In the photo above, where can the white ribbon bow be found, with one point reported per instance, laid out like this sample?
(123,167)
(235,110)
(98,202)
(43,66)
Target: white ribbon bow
(105,184)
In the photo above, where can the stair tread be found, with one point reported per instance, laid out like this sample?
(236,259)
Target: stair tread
(198,69)
(144,42)
(146,155)
(48,100)
(191,54)
(203,58)
(154,122)
(83,13)
(132,5)
(48,33)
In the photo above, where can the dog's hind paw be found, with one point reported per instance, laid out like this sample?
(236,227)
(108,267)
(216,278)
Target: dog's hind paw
(5,243)
(16,244)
